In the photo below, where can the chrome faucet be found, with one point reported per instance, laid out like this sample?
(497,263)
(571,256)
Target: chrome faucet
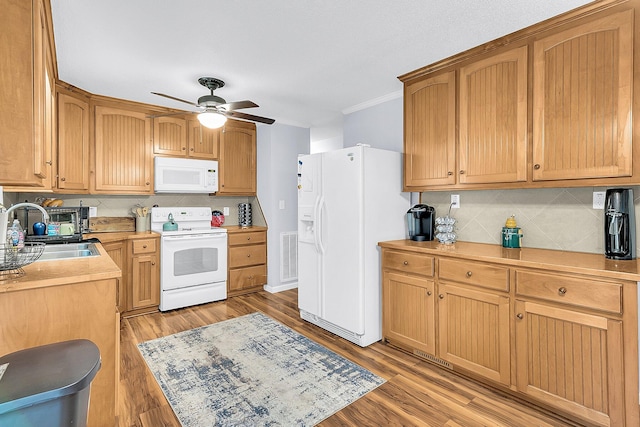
(4,218)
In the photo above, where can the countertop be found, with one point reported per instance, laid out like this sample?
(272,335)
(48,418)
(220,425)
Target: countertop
(573,262)
(61,272)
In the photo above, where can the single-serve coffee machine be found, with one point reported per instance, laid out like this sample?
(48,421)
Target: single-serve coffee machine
(619,224)
(421,223)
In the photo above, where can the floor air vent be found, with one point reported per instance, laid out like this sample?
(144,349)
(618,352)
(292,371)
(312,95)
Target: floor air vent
(433,359)
(288,256)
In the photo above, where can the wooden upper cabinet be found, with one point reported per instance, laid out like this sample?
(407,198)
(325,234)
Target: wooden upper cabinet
(170,136)
(123,152)
(26,88)
(202,142)
(430,131)
(238,159)
(73,143)
(493,119)
(582,100)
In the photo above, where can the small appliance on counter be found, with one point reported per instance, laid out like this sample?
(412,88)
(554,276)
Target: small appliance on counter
(619,224)
(421,222)
(511,234)
(66,224)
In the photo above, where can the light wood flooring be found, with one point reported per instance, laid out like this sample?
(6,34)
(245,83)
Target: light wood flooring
(416,393)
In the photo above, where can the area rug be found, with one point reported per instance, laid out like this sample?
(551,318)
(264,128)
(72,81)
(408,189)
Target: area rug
(253,371)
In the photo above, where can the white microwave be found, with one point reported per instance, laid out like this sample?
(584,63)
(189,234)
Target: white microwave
(175,175)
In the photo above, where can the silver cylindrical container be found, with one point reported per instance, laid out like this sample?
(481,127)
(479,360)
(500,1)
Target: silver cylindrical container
(244,215)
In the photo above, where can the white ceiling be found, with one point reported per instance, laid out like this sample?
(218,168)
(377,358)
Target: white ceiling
(306,63)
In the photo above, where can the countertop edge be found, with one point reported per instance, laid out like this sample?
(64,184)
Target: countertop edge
(546,259)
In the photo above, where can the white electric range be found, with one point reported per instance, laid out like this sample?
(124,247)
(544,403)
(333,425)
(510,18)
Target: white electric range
(193,267)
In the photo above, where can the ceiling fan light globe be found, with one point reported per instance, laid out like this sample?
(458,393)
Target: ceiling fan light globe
(211,120)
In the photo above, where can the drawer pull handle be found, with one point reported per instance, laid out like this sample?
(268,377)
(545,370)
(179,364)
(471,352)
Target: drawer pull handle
(469,273)
(520,316)
(428,293)
(441,296)
(536,166)
(248,238)
(406,263)
(562,291)
(153,263)
(449,173)
(248,255)
(144,246)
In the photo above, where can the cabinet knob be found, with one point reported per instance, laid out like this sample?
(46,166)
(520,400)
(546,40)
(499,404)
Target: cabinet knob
(50,163)
(469,273)
(428,293)
(461,172)
(562,291)
(520,316)
(441,296)
(153,263)
(250,277)
(191,149)
(406,263)
(144,246)
(536,166)
(184,148)
(248,255)
(63,179)
(147,183)
(449,173)
(248,238)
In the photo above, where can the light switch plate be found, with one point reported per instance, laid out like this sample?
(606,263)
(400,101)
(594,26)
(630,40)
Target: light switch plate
(93,211)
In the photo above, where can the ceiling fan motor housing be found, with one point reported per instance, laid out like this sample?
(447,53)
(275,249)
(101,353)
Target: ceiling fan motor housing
(210,101)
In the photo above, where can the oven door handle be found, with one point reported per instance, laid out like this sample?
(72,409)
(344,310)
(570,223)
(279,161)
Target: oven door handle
(196,236)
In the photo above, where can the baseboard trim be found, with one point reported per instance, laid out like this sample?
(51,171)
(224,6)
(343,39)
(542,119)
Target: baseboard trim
(280,288)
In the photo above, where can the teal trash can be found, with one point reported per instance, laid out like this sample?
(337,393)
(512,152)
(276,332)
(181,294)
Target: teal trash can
(48,385)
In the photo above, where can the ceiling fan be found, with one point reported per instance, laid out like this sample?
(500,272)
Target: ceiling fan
(216,109)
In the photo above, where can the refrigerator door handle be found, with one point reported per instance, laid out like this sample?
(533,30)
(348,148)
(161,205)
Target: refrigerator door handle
(319,225)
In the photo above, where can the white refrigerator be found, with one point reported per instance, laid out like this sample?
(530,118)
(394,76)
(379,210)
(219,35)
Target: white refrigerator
(348,201)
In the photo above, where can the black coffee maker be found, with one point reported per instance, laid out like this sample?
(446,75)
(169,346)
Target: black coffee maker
(619,224)
(421,222)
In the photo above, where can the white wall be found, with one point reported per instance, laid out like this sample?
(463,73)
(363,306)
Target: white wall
(278,149)
(379,126)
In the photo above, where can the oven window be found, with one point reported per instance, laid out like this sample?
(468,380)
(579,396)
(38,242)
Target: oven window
(194,261)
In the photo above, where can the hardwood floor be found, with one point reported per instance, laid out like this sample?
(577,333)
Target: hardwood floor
(416,393)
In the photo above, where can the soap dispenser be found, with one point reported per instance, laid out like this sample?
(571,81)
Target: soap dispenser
(511,234)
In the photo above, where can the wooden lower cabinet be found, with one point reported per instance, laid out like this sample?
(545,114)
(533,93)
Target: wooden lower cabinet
(563,338)
(138,256)
(409,311)
(247,260)
(572,358)
(473,331)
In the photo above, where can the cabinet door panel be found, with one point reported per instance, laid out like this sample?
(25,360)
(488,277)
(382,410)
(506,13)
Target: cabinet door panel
(493,119)
(170,136)
(145,283)
(582,87)
(430,125)
(408,311)
(572,360)
(122,151)
(202,142)
(238,161)
(73,143)
(474,331)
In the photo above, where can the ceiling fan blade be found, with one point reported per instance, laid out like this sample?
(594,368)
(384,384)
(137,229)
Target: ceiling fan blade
(239,115)
(237,105)
(175,99)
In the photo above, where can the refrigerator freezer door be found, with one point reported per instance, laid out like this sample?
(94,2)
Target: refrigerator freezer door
(342,239)
(309,259)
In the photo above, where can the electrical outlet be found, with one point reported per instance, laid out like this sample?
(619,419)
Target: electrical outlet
(281,204)
(225,211)
(598,199)
(455,201)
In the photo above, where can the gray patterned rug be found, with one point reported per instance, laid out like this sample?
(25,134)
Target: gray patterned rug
(253,371)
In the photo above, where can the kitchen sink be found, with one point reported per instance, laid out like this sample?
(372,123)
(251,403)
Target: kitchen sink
(68,251)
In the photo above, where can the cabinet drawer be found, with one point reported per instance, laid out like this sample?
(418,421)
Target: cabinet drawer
(408,262)
(144,246)
(247,238)
(248,277)
(587,293)
(247,255)
(475,273)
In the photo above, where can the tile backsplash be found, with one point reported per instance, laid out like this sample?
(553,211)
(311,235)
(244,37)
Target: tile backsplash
(123,205)
(550,218)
